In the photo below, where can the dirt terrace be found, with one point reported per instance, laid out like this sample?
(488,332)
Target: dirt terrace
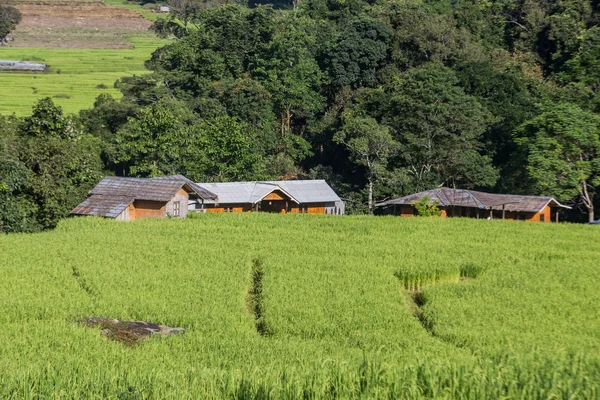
(75,24)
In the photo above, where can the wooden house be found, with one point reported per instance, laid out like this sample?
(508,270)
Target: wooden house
(137,198)
(474,204)
(302,196)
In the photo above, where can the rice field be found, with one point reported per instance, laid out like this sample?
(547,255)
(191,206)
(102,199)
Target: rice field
(303,306)
(76,78)
(88,47)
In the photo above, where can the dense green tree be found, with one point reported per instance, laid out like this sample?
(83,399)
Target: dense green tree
(152,143)
(439,128)
(63,162)
(562,147)
(223,153)
(370,145)
(17,210)
(357,52)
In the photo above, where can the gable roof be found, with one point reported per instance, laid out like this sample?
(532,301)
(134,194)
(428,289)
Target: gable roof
(448,197)
(154,189)
(200,191)
(113,194)
(306,191)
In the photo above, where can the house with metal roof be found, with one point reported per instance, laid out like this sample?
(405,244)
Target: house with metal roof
(302,196)
(136,198)
(474,204)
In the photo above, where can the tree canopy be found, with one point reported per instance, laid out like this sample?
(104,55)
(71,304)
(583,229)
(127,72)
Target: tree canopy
(380,98)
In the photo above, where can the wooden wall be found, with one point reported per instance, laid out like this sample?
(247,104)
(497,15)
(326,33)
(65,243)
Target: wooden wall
(307,208)
(147,209)
(407,211)
(312,208)
(182,197)
(232,207)
(537,217)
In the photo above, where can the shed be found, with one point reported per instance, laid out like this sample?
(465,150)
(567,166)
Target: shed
(136,198)
(300,196)
(475,204)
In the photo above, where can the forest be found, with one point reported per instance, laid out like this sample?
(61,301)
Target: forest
(380,98)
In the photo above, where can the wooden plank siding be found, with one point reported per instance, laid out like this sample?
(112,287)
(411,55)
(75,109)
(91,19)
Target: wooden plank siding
(147,209)
(230,208)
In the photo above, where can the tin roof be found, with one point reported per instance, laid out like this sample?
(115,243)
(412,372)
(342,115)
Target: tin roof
(471,198)
(113,194)
(305,191)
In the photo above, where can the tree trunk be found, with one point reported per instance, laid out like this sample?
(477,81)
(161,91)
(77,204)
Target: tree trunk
(591,214)
(370,200)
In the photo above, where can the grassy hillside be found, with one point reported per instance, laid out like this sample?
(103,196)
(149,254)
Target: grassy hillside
(296,305)
(77,77)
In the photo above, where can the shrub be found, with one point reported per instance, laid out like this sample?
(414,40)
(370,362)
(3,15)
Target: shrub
(426,208)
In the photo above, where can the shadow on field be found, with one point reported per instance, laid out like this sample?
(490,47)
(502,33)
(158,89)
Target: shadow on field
(254,299)
(416,283)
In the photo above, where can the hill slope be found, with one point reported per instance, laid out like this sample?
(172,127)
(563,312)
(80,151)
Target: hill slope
(288,306)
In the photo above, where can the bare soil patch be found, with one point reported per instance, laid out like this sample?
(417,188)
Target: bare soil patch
(129,333)
(75,24)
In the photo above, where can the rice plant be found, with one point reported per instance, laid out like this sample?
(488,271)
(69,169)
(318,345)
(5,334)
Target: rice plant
(332,292)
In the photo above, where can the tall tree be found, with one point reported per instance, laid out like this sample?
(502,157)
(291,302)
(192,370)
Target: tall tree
(562,149)
(64,162)
(370,145)
(439,128)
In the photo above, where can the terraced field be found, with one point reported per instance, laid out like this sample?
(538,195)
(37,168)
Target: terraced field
(289,306)
(87,44)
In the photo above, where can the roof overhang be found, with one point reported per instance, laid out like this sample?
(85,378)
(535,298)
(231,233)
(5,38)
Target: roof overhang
(554,203)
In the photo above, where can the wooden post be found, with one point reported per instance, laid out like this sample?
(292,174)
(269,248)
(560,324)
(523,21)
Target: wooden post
(503,211)
(556,217)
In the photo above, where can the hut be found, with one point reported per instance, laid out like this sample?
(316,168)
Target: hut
(137,198)
(474,204)
(301,196)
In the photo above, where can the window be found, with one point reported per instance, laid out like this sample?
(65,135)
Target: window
(176,209)
(542,217)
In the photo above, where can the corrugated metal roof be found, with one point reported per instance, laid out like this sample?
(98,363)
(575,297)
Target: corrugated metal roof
(103,206)
(305,191)
(471,198)
(309,191)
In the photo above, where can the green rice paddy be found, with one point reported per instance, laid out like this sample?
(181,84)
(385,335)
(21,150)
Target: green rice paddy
(303,306)
(76,78)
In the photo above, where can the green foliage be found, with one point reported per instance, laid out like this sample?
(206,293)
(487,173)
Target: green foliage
(427,208)
(340,321)
(277,92)
(563,153)
(64,162)
(438,128)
